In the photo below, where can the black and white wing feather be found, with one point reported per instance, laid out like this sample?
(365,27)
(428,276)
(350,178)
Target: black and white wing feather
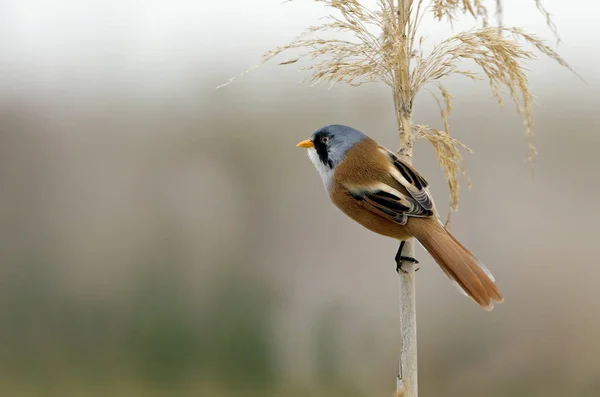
(390,203)
(408,177)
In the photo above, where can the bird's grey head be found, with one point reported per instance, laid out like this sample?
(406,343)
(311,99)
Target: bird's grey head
(328,146)
(333,141)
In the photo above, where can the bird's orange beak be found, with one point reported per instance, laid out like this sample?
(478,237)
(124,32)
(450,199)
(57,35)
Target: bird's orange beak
(307,143)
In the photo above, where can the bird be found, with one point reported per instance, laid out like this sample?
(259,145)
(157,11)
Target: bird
(386,195)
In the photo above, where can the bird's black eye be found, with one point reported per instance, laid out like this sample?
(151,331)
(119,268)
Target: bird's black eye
(325,140)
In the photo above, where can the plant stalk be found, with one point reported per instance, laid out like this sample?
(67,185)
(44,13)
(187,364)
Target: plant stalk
(407,375)
(406,385)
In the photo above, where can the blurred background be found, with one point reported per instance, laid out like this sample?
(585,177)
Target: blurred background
(159,237)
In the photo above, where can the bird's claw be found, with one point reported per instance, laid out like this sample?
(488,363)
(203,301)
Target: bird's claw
(401,259)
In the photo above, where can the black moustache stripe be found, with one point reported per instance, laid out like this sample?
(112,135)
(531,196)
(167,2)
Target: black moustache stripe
(321,149)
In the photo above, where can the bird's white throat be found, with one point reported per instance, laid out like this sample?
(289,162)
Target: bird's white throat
(325,172)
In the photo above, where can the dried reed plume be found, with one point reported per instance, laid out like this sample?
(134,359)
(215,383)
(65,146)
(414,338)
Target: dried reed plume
(386,47)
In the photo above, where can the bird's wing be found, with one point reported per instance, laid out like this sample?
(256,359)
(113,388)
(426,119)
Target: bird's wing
(399,193)
(388,202)
(410,179)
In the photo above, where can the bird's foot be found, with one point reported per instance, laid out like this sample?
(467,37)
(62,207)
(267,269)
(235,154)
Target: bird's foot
(401,259)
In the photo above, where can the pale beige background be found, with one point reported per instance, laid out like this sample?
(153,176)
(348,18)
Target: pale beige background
(159,237)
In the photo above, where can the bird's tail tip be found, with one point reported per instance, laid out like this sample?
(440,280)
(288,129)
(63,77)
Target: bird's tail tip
(467,273)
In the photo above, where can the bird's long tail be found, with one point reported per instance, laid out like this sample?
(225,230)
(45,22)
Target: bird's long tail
(460,265)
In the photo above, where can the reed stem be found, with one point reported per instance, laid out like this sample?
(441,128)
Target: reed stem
(407,383)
